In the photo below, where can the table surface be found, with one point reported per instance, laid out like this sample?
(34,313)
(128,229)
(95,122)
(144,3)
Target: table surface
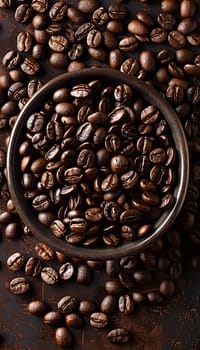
(171,326)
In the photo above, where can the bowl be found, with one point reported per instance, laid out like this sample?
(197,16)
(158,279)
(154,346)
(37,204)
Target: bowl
(23,206)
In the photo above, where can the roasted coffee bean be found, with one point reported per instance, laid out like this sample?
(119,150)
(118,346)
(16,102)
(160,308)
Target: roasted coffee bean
(86,307)
(5,3)
(67,304)
(12,230)
(52,318)
(16,261)
(66,271)
(73,320)
(49,275)
(23,13)
(147,61)
(63,337)
(41,202)
(98,320)
(19,285)
(118,336)
(44,251)
(5,217)
(167,288)
(154,298)
(113,287)
(108,304)
(138,297)
(37,307)
(57,11)
(176,39)
(24,41)
(84,274)
(126,305)
(194,39)
(142,276)
(137,27)
(33,266)
(11,59)
(30,66)
(187,25)
(58,43)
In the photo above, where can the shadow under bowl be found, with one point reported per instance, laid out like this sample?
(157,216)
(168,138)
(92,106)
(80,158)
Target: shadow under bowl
(23,206)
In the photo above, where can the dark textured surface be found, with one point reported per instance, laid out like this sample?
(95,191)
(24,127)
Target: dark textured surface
(172,326)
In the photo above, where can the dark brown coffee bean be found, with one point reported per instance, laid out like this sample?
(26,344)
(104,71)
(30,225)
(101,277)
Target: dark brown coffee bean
(52,318)
(59,60)
(30,66)
(138,297)
(24,41)
(187,25)
(57,11)
(194,39)
(5,3)
(142,276)
(86,307)
(130,66)
(37,307)
(155,298)
(98,320)
(118,336)
(126,305)
(58,228)
(137,27)
(49,275)
(108,304)
(33,266)
(58,43)
(23,13)
(44,251)
(19,285)
(67,304)
(115,26)
(176,270)
(158,35)
(73,320)
(41,202)
(167,20)
(130,216)
(5,217)
(12,230)
(113,287)
(66,271)
(39,5)
(147,61)
(16,261)
(63,337)
(167,288)
(84,274)
(176,39)
(112,267)
(11,59)
(128,44)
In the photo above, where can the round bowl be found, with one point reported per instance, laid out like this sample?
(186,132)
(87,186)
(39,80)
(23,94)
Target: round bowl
(23,206)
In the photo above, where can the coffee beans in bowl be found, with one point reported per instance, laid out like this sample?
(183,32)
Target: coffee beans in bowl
(98,164)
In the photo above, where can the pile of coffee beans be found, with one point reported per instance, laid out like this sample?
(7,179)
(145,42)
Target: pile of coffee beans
(95,167)
(157,42)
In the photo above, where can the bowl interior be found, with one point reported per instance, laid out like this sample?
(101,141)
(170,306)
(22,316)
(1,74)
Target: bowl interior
(24,207)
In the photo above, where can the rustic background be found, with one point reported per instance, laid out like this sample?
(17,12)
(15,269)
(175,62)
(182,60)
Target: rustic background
(172,326)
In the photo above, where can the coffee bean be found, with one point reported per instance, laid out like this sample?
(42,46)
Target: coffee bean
(11,59)
(142,276)
(23,13)
(12,230)
(16,261)
(24,41)
(138,297)
(187,25)
(30,66)
(58,43)
(126,305)
(73,320)
(49,275)
(155,298)
(167,288)
(137,27)
(58,60)
(167,20)
(57,11)
(19,285)
(37,307)
(98,320)
(63,337)
(113,287)
(52,318)
(86,307)
(44,251)
(5,3)
(84,274)
(147,61)
(118,336)
(33,266)
(67,304)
